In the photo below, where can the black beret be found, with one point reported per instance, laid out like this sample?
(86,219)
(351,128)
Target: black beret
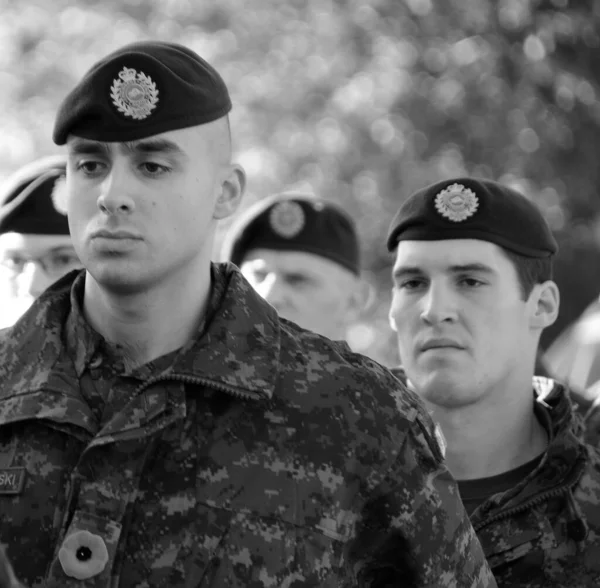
(140,90)
(471,208)
(29,202)
(295,222)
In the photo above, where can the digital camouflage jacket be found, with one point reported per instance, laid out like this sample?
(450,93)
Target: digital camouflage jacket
(265,456)
(545,532)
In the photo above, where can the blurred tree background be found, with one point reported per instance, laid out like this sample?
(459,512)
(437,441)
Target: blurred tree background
(360,101)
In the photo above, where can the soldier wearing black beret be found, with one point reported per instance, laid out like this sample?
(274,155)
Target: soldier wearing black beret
(301,254)
(160,424)
(473,291)
(468,208)
(35,246)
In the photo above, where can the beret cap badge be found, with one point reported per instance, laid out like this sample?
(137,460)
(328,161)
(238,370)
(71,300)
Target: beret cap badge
(287,219)
(456,203)
(134,94)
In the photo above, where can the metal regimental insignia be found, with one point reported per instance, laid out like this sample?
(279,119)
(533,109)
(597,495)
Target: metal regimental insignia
(287,219)
(134,94)
(456,203)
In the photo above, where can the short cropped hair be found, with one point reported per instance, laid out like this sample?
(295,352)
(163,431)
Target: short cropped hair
(530,270)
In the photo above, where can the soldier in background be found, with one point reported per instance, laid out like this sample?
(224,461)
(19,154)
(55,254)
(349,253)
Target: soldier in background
(302,255)
(473,291)
(35,245)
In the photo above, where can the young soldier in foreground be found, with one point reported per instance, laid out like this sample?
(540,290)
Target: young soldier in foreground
(160,425)
(472,293)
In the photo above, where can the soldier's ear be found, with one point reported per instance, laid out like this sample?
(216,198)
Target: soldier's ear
(362,297)
(233,186)
(544,301)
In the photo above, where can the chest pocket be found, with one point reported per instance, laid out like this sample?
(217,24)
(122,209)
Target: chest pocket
(515,537)
(276,510)
(531,550)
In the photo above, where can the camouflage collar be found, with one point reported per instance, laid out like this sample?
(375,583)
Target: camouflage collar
(237,351)
(561,465)
(239,347)
(80,340)
(563,461)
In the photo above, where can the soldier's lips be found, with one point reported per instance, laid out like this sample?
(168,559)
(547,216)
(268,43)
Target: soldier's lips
(440,344)
(114,235)
(114,241)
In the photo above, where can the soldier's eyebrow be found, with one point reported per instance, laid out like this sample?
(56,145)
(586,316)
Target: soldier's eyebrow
(405,271)
(302,274)
(62,249)
(86,147)
(79,146)
(149,146)
(402,272)
(471,267)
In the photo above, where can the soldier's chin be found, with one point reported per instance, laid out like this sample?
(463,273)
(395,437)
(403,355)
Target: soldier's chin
(450,398)
(441,389)
(119,280)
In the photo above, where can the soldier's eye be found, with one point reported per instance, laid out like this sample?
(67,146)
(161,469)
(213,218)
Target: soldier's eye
(14,263)
(89,167)
(154,169)
(63,260)
(260,275)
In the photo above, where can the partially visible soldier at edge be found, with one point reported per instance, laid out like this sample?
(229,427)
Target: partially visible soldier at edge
(472,293)
(301,254)
(159,423)
(35,245)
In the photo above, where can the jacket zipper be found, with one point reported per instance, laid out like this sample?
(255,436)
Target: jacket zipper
(200,381)
(555,492)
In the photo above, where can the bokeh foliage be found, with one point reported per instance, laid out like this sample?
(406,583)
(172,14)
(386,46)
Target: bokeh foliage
(361,101)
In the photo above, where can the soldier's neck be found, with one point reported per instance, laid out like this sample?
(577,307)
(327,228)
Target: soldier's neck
(485,442)
(150,324)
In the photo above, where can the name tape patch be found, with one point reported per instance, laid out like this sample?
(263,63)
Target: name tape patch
(12,480)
